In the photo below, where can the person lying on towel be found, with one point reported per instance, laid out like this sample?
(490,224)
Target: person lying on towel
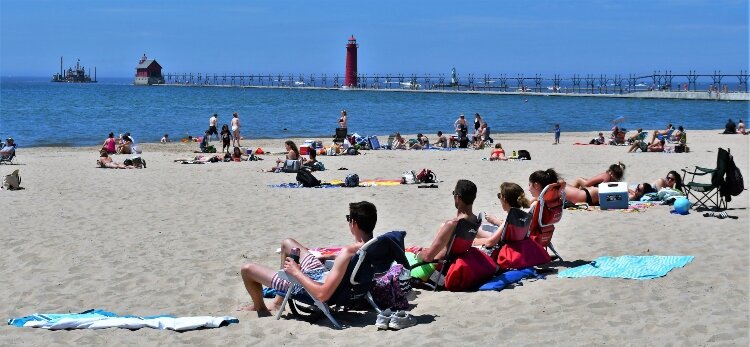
(315,278)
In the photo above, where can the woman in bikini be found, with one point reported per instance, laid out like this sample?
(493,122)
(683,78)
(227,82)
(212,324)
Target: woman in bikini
(613,174)
(498,153)
(590,195)
(106,162)
(342,119)
(236,130)
(292,153)
(672,180)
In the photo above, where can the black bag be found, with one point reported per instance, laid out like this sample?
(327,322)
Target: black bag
(306,179)
(679,149)
(734,182)
(351,180)
(524,154)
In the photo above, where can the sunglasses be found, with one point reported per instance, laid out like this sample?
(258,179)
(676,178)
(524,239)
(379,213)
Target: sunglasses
(500,196)
(669,178)
(638,189)
(349,218)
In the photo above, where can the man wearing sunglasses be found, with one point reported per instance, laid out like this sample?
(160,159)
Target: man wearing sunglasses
(318,281)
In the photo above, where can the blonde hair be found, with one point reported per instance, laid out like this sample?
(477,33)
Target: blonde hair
(514,195)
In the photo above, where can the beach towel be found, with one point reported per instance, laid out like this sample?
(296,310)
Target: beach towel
(509,277)
(628,266)
(340,183)
(100,319)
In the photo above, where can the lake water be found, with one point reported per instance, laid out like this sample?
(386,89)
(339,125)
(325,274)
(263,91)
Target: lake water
(37,112)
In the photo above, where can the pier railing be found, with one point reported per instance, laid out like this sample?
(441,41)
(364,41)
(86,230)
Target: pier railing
(577,83)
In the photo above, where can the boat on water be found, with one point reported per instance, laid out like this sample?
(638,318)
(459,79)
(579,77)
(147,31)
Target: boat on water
(71,75)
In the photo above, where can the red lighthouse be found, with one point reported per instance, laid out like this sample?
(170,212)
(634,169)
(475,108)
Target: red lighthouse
(350,78)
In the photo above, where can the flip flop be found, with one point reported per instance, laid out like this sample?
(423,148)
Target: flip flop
(428,186)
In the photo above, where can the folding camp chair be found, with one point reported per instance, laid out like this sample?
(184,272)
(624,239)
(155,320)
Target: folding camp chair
(8,157)
(461,241)
(707,195)
(374,257)
(340,136)
(547,212)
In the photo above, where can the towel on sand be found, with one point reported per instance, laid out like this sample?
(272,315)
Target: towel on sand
(100,319)
(628,266)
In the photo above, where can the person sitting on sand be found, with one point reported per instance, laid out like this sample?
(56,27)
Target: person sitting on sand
(125,145)
(498,153)
(442,141)
(614,173)
(599,140)
(320,282)
(511,195)
(672,180)
(399,142)
(422,142)
(292,153)
(617,137)
(165,139)
(480,136)
(656,147)
(313,162)
(110,144)
(237,155)
(463,198)
(741,127)
(106,162)
(730,127)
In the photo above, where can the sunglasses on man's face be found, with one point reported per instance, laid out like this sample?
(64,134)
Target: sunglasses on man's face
(348,218)
(500,196)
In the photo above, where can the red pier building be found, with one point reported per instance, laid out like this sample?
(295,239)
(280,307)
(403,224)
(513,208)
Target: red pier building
(148,72)
(350,78)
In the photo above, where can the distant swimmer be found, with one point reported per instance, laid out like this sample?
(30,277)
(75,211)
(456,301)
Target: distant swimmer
(525,100)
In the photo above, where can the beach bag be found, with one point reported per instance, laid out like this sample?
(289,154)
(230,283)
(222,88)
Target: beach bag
(374,142)
(734,182)
(426,176)
(351,151)
(408,177)
(318,166)
(521,254)
(12,181)
(291,166)
(469,271)
(139,162)
(524,155)
(306,179)
(390,290)
(351,180)
(128,162)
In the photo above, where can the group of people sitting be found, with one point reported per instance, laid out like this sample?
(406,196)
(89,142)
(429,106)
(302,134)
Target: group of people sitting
(732,128)
(659,139)
(294,157)
(321,283)
(106,162)
(124,145)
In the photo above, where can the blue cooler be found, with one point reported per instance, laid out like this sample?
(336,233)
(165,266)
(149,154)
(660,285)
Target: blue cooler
(613,195)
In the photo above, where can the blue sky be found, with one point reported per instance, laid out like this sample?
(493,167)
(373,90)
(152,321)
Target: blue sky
(480,37)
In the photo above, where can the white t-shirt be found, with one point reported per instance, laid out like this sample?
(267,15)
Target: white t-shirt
(212,121)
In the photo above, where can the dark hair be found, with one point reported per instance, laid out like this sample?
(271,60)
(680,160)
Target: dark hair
(293,146)
(440,133)
(677,180)
(617,170)
(111,135)
(216,115)
(235,115)
(225,127)
(313,154)
(647,188)
(237,153)
(466,190)
(544,178)
(513,194)
(365,214)
(680,128)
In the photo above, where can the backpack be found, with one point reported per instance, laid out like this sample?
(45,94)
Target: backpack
(524,155)
(351,180)
(734,184)
(138,162)
(351,151)
(291,166)
(426,176)
(391,288)
(306,179)
(408,177)
(12,181)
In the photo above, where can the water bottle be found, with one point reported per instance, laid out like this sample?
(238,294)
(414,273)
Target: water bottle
(294,254)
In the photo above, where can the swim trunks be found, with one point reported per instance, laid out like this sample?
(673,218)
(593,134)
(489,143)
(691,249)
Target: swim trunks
(588,196)
(212,130)
(311,267)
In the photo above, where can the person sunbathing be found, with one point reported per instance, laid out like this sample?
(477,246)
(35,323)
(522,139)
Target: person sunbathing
(672,180)
(613,174)
(498,153)
(741,128)
(659,134)
(656,147)
(511,195)
(442,141)
(589,195)
(463,198)
(106,162)
(125,145)
(399,142)
(422,142)
(310,272)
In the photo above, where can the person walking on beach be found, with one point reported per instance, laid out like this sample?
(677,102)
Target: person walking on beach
(212,126)
(236,130)
(557,134)
(226,138)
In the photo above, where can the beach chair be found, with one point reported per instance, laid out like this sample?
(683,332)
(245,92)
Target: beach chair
(640,138)
(516,249)
(8,155)
(666,137)
(706,194)
(547,212)
(340,136)
(373,258)
(460,247)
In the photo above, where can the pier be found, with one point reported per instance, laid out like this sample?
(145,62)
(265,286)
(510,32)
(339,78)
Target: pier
(658,85)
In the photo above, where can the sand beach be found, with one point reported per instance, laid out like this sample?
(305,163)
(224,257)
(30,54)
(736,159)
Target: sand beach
(171,239)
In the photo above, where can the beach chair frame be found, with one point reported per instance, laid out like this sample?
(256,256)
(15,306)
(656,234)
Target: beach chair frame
(543,226)
(357,283)
(707,195)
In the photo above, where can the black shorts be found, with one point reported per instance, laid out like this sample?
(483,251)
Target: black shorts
(212,130)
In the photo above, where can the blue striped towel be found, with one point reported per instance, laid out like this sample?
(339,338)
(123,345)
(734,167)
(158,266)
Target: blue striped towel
(628,266)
